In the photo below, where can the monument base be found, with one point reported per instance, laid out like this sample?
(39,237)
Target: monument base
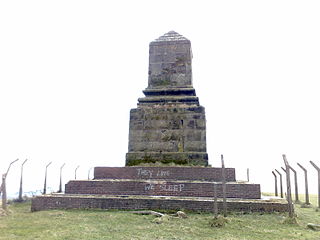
(167,188)
(74,201)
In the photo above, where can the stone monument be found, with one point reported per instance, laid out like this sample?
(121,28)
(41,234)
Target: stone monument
(169,125)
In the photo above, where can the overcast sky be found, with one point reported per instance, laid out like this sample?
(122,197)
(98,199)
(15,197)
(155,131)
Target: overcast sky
(70,71)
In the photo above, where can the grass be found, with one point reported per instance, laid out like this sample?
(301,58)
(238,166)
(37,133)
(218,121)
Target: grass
(20,223)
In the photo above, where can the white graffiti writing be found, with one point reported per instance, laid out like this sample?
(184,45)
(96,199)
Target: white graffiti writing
(145,173)
(162,173)
(172,188)
(165,187)
(149,173)
(149,187)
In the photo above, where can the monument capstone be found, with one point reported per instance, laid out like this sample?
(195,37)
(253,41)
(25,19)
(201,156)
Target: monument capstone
(169,125)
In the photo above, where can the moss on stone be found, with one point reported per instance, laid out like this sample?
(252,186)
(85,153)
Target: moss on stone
(165,161)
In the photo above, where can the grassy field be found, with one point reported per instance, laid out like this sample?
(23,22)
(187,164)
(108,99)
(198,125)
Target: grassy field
(20,223)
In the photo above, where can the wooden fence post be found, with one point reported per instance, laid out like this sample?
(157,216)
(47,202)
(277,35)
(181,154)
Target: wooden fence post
(224,187)
(281,189)
(275,184)
(290,204)
(60,184)
(21,176)
(45,179)
(306,183)
(215,203)
(318,169)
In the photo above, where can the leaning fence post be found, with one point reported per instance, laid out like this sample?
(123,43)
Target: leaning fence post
(21,176)
(275,184)
(89,173)
(75,172)
(318,169)
(296,192)
(291,209)
(281,189)
(4,187)
(305,182)
(45,179)
(60,184)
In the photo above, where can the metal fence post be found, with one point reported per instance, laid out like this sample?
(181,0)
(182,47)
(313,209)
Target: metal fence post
(290,205)
(45,179)
(21,176)
(296,192)
(281,189)
(306,183)
(60,184)
(89,173)
(224,187)
(4,186)
(275,184)
(75,172)
(318,169)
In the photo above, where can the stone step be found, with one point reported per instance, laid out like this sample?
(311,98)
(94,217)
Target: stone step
(135,158)
(168,173)
(73,201)
(162,188)
(190,100)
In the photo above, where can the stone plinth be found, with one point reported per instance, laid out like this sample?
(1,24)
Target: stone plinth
(163,181)
(162,188)
(174,188)
(73,201)
(165,173)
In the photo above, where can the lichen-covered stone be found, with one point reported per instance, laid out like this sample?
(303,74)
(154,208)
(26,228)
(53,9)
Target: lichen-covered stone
(170,61)
(169,125)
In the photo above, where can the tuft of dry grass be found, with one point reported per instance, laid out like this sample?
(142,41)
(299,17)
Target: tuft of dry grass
(218,221)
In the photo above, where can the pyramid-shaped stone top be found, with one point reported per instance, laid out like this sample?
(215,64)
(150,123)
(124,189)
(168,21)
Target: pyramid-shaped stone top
(171,36)
(170,59)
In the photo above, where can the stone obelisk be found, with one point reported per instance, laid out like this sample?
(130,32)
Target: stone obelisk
(168,125)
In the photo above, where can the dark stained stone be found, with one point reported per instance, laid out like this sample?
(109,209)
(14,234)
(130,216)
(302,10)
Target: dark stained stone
(169,125)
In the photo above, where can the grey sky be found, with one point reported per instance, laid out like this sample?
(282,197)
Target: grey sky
(71,70)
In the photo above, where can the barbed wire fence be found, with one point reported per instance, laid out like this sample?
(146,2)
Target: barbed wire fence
(296,177)
(21,194)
